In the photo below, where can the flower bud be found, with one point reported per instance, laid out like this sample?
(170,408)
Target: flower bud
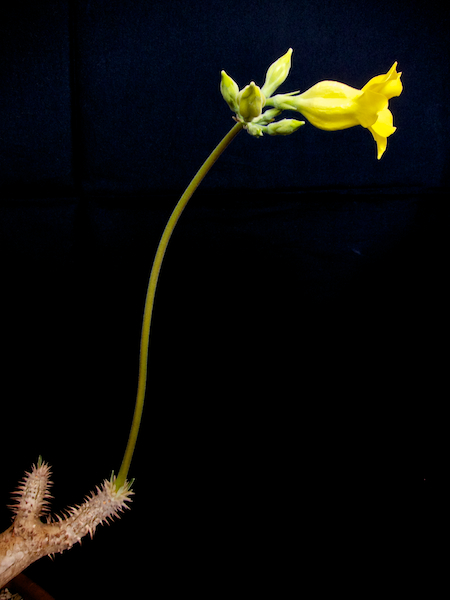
(277,73)
(229,90)
(251,102)
(267,117)
(255,130)
(284,127)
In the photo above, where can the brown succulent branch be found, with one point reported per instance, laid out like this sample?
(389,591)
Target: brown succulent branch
(29,538)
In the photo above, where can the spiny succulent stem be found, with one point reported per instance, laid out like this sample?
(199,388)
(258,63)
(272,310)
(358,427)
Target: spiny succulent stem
(148,309)
(29,538)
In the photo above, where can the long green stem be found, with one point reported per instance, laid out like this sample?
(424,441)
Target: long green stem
(148,309)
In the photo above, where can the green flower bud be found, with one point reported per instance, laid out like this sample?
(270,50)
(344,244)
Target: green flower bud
(284,127)
(255,130)
(229,90)
(251,102)
(267,117)
(277,73)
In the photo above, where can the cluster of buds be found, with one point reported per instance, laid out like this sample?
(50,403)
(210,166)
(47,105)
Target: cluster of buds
(248,103)
(328,105)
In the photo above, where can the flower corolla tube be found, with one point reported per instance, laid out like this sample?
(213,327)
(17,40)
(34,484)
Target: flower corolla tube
(328,105)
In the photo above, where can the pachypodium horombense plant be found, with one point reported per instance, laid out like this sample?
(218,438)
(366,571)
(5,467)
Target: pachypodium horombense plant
(328,105)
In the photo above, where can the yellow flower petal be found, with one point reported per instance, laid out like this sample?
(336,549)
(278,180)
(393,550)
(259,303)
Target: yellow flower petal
(381,142)
(368,105)
(382,129)
(389,84)
(384,124)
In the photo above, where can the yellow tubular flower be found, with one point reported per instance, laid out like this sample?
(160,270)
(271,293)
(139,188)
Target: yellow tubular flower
(331,105)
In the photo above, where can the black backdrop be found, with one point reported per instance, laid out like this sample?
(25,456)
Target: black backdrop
(296,359)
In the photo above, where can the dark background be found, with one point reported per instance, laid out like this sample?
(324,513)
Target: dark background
(297,361)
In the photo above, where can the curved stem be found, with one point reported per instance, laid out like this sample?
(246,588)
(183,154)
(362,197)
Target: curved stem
(148,309)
